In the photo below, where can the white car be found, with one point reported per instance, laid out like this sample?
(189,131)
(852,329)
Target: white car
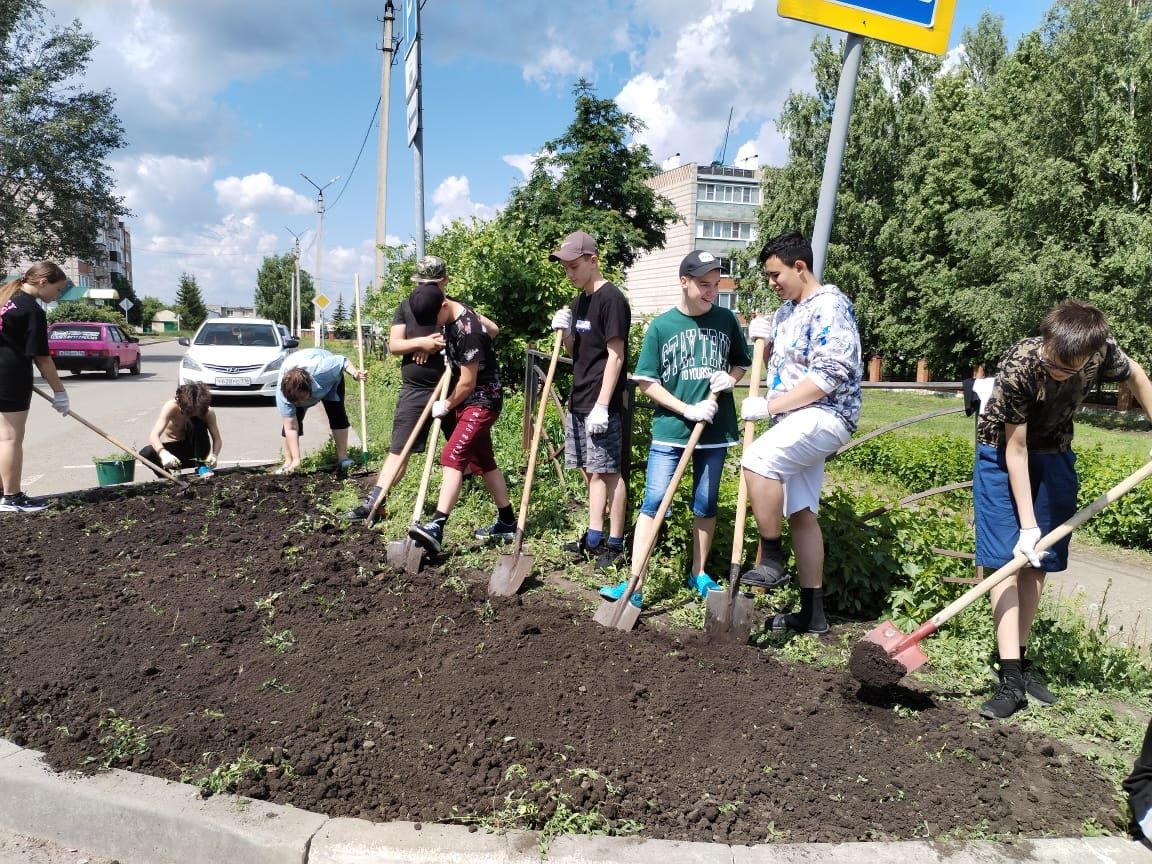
(236,356)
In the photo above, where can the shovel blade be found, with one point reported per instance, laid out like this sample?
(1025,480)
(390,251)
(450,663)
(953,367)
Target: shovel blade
(511,571)
(728,617)
(414,559)
(889,637)
(398,553)
(617,613)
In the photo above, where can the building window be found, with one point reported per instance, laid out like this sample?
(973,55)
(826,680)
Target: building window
(726,299)
(728,193)
(711,230)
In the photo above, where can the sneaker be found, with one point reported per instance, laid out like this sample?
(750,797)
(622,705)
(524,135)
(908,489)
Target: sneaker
(1035,687)
(505,532)
(792,623)
(345,464)
(615,592)
(581,549)
(1007,700)
(609,557)
(21,503)
(430,535)
(360,511)
(765,576)
(703,583)
(204,472)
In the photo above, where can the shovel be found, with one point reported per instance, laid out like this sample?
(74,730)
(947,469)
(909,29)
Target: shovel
(623,613)
(513,568)
(728,615)
(363,384)
(897,654)
(119,444)
(407,449)
(407,554)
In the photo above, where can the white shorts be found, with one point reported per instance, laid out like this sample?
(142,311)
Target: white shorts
(793,451)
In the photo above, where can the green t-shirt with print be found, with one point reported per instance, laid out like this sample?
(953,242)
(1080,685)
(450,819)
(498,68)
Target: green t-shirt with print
(680,353)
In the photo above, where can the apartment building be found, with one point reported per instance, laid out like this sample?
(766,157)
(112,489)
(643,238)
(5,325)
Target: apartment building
(718,208)
(92,279)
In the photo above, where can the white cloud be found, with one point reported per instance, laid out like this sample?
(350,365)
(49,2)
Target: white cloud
(453,200)
(522,162)
(259,192)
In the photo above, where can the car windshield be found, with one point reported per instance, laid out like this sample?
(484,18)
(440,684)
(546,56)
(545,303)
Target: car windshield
(223,333)
(76,333)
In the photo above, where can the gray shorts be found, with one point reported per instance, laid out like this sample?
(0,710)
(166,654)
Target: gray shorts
(596,454)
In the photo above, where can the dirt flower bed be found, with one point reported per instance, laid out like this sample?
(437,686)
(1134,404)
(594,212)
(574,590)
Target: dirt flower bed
(232,637)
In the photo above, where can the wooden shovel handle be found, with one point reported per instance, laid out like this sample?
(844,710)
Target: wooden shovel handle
(755,373)
(433,437)
(522,519)
(116,443)
(363,384)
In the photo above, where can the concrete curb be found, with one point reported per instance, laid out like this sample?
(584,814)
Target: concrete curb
(143,820)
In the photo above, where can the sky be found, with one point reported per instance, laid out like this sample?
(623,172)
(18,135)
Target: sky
(225,104)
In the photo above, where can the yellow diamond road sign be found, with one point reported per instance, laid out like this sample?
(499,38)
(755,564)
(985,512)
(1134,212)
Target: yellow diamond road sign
(920,24)
(321,302)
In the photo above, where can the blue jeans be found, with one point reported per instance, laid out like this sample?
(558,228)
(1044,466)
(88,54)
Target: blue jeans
(707,464)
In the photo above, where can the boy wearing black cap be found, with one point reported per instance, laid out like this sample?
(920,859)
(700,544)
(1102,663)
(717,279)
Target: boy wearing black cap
(595,331)
(422,363)
(813,375)
(475,400)
(690,351)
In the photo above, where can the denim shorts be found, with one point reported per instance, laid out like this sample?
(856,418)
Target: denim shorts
(1054,489)
(707,466)
(596,454)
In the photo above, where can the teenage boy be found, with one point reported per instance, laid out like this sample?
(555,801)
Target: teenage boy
(307,377)
(421,365)
(690,351)
(186,432)
(813,396)
(476,400)
(1025,483)
(595,332)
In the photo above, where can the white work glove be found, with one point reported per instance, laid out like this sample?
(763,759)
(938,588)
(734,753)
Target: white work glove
(439,408)
(1026,545)
(705,411)
(721,381)
(597,422)
(60,401)
(760,328)
(562,320)
(210,460)
(754,408)
(169,460)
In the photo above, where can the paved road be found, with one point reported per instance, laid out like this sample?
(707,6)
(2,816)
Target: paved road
(58,451)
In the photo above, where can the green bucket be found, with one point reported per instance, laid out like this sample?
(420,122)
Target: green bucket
(111,472)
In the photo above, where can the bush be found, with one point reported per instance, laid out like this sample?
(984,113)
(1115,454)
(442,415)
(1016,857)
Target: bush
(78,310)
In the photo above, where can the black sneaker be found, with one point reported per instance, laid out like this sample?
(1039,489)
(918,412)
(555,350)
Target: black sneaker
(1035,687)
(20,503)
(502,531)
(430,535)
(581,549)
(360,511)
(765,576)
(608,557)
(1007,700)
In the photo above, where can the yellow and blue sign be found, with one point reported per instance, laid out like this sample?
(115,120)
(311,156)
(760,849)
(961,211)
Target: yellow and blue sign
(924,25)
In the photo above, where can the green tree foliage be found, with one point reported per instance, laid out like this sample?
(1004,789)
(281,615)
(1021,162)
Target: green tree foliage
(274,290)
(190,303)
(82,310)
(973,199)
(55,186)
(123,286)
(149,306)
(591,178)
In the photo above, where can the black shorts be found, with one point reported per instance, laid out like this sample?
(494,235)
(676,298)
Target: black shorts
(15,388)
(337,413)
(409,407)
(9,405)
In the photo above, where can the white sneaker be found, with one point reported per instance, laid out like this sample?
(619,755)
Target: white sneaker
(20,503)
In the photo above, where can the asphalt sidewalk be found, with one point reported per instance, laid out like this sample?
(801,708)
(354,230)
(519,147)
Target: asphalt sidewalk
(1113,589)
(134,819)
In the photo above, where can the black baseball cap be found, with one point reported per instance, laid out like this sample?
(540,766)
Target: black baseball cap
(425,301)
(698,262)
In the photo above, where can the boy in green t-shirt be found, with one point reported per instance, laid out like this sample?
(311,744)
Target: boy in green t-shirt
(689,352)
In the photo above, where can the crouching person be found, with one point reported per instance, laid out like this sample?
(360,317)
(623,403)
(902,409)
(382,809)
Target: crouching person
(307,377)
(186,432)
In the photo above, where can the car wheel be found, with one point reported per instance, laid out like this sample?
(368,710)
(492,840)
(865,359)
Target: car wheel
(113,370)
(74,371)
(134,369)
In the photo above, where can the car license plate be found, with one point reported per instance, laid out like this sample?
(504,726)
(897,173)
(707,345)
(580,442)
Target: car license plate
(71,353)
(233,382)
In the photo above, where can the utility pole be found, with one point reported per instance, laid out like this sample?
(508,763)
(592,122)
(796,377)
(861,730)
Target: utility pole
(319,240)
(294,318)
(389,50)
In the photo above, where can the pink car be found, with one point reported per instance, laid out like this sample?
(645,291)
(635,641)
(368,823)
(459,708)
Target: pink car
(93,346)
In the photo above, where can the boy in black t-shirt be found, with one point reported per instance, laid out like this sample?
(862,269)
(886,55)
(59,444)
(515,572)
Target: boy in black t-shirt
(595,331)
(476,401)
(422,363)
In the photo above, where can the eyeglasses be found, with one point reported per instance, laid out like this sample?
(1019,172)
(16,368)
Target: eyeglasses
(1067,370)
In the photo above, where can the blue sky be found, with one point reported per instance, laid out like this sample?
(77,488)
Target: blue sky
(224,104)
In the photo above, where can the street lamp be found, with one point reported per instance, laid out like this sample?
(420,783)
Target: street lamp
(294,318)
(319,239)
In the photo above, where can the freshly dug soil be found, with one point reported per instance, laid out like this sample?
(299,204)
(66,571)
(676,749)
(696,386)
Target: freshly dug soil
(870,664)
(171,634)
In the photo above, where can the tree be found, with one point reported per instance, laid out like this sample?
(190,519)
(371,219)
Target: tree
(149,306)
(83,310)
(591,178)
(123,287)
(189,303)
(274,290)
(55,186)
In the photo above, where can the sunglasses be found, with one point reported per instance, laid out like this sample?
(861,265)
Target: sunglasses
(1056,367)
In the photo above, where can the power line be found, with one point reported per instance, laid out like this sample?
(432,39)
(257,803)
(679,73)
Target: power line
(367,132)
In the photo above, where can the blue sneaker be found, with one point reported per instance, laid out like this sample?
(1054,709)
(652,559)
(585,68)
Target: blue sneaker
(204,472)
(703,583)
(615,592)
